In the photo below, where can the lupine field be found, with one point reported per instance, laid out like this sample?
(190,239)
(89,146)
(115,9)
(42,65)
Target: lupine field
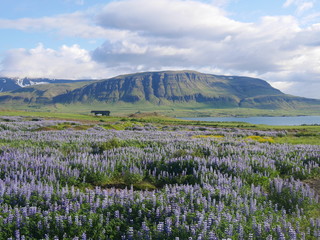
(72,180)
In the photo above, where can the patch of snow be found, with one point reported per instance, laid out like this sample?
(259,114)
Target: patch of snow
(21,83)
(37,83)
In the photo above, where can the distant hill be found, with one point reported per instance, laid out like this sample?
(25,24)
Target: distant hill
(40,93)
(11,84)
(169,87)
(165,88)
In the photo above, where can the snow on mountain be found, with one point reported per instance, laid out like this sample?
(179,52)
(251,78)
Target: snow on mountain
(11,84)
(26,82)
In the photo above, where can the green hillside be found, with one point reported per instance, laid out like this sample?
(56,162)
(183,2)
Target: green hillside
(39,94)
(176,87)
(171,87)
(174,93)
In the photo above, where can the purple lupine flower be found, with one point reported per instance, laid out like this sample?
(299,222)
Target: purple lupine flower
(84,236)
(17,234)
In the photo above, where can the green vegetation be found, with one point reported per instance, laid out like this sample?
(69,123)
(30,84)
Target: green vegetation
(149,176)
(295,134)
(293,139)
(38,94)
(171,93)
(172,110)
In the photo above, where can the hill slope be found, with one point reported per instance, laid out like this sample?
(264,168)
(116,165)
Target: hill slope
(11,84)
(168,87)
(39,93)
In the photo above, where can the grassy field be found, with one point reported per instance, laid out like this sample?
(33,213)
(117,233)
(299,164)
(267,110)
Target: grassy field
(295,134)
(176,110)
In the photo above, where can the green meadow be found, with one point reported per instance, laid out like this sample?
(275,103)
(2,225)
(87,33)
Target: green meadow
(295,134)
(173,110)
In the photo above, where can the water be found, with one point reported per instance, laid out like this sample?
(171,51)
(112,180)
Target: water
(275,121)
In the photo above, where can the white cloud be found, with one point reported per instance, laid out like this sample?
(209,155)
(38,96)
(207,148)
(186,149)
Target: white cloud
(300,74)
(283,86)
(143,35)
(288,3)
(304,7)
(305,89)
(202,37)
(227,44)
(301,5)
(68,62)
(73,25)
(171,18)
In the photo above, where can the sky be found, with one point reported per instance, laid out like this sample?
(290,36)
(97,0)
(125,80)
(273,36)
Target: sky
(276,40)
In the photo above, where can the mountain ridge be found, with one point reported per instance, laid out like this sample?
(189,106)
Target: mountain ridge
(14,83)
(167,87)
(164,88)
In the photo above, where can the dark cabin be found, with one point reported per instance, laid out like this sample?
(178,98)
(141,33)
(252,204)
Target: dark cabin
(102,113)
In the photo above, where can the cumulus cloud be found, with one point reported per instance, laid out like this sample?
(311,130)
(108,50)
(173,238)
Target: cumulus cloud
(78,24)
(145,35)
(299,74)
(193,35)
(68,62)
(196,35)
(170,18)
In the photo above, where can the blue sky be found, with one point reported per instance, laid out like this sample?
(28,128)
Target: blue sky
(277,40)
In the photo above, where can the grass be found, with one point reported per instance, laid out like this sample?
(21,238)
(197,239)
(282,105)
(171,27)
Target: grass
(191,109)
(299,140)
(58,115)
(294,134)
(298,134)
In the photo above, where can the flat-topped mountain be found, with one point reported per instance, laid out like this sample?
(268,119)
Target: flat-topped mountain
(168,87)
(162,88)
